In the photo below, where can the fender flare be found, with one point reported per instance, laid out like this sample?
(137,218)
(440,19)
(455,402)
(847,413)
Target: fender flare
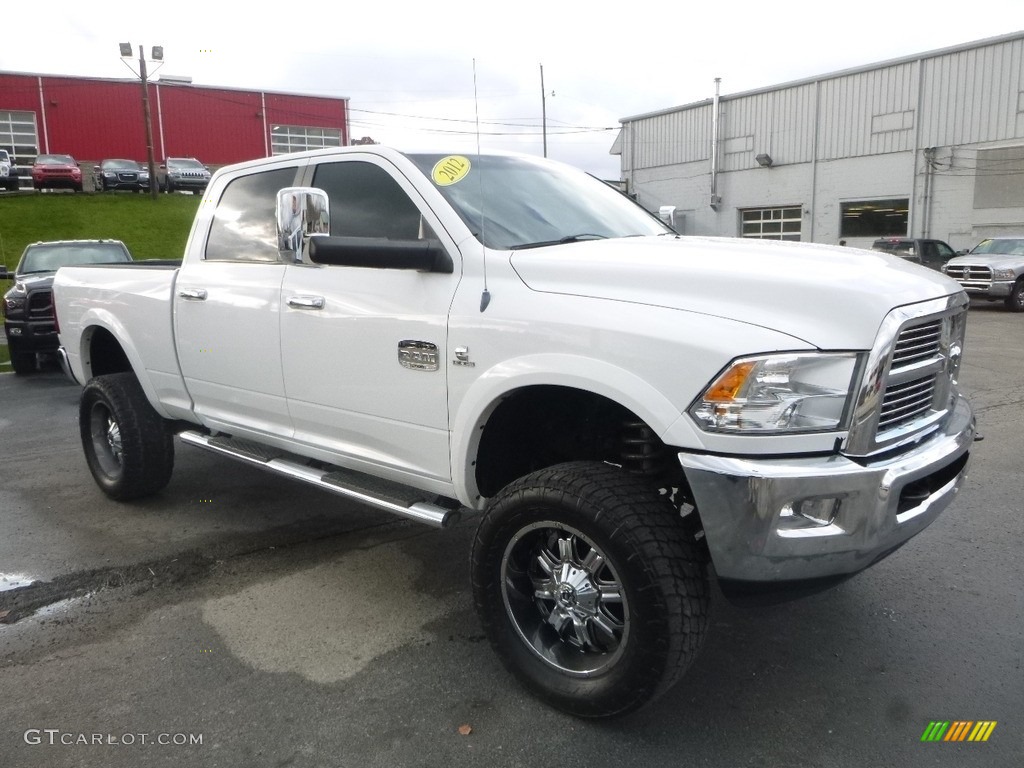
(578,372)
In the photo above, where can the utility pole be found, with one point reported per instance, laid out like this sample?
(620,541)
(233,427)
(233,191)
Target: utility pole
(158,55)
(148,120)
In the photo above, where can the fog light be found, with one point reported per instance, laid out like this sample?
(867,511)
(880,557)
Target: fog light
(821,511)
(14,331)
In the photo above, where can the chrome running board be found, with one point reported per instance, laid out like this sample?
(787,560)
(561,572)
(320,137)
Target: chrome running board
(383,494)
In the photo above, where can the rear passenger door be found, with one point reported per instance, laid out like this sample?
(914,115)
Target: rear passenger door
(350,387)
(227,310)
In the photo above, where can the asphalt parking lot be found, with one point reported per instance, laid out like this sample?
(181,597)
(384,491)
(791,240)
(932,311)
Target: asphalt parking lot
(248,621)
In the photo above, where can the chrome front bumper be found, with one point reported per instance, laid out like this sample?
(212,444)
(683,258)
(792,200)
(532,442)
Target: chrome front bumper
(783,520)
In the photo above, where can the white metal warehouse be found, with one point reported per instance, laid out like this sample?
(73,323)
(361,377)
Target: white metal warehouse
(930,145)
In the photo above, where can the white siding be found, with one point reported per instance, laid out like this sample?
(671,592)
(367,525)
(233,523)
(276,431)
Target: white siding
(849,135)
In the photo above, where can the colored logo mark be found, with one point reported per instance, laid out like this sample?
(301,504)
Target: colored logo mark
(958,730)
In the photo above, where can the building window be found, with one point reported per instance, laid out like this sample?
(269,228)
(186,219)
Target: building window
(18,135)
(772,223)
(874,218)
(285,139)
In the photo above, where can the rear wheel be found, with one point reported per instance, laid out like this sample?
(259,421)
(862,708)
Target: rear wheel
(1015,301)
(128,447)
(589,589)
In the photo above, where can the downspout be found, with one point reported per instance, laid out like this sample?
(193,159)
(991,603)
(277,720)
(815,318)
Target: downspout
(266,133)
(160,123)
(814,157)
(929,170)
(912,214)
(42,114)
(715,199)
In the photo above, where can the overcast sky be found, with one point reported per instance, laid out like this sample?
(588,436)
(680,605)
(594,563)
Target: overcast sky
(408,68)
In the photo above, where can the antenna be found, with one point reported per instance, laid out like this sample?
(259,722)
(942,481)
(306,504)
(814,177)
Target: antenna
(485,297)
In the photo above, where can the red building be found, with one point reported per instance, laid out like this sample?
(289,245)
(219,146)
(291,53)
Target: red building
(92,119)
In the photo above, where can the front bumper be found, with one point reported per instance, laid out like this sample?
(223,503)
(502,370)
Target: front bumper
(32,335)
(997,289)
(750,508)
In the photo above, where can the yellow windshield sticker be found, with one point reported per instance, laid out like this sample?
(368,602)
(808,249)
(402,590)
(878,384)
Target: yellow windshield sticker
(450,170)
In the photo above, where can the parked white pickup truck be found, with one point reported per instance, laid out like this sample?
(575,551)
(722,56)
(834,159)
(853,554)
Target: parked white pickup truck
(437,335)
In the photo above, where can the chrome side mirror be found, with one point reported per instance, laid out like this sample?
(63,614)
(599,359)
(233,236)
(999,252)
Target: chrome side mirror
(302,212)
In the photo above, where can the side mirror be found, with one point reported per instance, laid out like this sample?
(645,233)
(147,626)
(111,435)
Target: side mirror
(4,274)
(963,251)
(301,213)
(381,253)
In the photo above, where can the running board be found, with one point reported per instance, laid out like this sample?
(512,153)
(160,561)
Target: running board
(382,494)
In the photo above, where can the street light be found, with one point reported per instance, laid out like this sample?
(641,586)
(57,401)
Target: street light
(157,55)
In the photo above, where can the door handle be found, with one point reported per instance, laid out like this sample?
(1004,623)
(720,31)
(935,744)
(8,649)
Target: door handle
(306,302)
(196,294)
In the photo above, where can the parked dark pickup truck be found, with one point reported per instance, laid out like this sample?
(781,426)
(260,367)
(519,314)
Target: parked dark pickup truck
(28,306)
(928,253)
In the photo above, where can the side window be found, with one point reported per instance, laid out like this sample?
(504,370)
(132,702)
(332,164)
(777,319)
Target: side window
(945,251)
(367,202)
(929,250)
(244,225)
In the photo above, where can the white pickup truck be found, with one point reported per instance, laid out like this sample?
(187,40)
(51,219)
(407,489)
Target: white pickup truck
(438,335)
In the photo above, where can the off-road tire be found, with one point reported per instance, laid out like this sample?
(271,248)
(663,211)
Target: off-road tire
(648,559)
(22,363)
(128,446)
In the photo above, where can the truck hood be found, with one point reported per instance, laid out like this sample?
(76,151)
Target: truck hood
(994,260)
(36,280)
(829,296)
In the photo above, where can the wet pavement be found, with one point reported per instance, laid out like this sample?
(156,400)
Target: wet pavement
(238,619)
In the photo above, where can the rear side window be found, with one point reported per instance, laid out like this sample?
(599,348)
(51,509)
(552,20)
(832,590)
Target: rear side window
(244,225)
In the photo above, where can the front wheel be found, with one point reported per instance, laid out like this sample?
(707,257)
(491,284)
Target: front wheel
(1015,301)
(23,363)
(128,447)
(589,589)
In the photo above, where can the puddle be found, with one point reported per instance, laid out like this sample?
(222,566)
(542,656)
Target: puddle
(10,581)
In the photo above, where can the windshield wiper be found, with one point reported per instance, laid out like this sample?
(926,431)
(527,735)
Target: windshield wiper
(562,241)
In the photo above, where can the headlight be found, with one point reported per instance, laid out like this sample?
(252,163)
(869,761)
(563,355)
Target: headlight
(778,393)
(109,174)
(1002,274)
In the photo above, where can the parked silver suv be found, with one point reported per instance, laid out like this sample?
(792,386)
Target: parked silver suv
(185,173)
(993,270)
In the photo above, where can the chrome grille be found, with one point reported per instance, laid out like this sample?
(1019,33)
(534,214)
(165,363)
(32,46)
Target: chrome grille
(919,343)
(909,378)
(903,403)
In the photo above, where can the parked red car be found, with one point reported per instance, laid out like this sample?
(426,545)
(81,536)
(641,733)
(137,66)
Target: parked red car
(56,172)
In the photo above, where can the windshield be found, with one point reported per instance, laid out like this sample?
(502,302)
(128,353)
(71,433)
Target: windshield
(520,202)
(894,246)
(1009,247)
(124,165)
(184,163)
(49,257)
(55,160)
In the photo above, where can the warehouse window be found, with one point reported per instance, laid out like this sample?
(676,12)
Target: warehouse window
(874,218)
(285,139)
(772,223)
(18,135)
